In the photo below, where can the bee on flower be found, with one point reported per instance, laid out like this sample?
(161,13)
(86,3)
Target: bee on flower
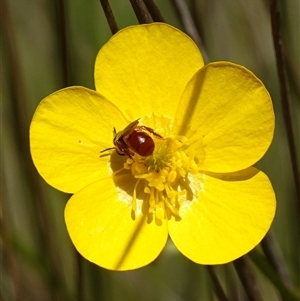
(178,163)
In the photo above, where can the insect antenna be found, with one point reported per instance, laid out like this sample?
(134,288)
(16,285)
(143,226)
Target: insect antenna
(104,150)
(107,149)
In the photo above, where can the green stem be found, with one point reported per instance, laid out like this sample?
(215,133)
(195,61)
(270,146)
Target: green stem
(247,278)
(218,290)
(284,91)
(111,20)
(154,11)
(141,11)
(40,216)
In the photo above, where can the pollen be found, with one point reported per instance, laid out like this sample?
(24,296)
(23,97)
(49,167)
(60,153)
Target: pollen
(164,176)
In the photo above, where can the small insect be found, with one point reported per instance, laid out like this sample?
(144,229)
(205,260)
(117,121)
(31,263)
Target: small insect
(134,139)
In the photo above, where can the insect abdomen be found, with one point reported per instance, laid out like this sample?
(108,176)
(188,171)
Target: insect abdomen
(141,143)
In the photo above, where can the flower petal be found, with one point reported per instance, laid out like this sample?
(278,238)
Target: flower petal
(231,111)
(232,214)
(144,69)
(104,231)
(69,129)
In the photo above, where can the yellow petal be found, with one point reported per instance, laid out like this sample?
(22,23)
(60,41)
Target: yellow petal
(233,114)
(144,69)
(68,130)
(101,225)
(232,214)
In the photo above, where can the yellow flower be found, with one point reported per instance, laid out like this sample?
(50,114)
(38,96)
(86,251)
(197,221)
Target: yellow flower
(210,125)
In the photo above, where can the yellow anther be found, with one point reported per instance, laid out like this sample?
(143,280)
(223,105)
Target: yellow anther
(161,174)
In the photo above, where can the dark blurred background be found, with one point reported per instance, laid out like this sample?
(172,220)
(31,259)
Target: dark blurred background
(47,45)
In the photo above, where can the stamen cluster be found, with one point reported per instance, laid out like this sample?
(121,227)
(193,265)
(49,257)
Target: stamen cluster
(164,176)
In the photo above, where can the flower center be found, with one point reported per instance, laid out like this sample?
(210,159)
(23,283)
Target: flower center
(164,176)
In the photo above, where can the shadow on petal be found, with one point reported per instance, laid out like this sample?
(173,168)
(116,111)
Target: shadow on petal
(241,175)
(131,190)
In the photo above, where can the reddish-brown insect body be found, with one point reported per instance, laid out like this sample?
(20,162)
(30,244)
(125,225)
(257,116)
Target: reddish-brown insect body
(135,139)
(141,143)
